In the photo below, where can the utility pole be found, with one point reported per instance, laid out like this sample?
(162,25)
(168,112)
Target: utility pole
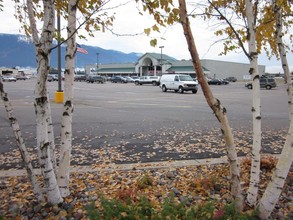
(59,94)
(161,61)
(97,62)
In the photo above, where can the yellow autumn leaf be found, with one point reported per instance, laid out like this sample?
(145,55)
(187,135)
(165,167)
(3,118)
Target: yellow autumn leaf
(153,42)
(147,31)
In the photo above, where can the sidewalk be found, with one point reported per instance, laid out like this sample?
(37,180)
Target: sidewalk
(132,166)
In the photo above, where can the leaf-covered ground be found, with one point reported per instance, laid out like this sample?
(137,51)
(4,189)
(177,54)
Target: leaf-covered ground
(193,185)
(158,145)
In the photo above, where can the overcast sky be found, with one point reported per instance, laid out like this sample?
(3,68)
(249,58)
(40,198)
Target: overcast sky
(128,22)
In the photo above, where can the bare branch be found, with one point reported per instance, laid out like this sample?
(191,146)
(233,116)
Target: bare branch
(233,29)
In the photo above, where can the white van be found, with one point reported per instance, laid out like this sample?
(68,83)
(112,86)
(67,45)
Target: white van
(178,83)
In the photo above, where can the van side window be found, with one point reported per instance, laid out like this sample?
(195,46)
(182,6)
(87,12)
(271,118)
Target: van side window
(176,78)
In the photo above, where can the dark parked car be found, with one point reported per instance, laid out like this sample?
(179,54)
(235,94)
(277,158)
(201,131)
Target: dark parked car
(224,82)
(231,79)
(95,79)
(214,82)
(267,83)
(79,78)
(118,79)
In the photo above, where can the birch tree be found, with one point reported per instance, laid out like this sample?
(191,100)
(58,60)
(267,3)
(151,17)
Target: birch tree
(258,20)
(66,123)
(274,189)
(88,9)
(256,109)
(42,39)
(21,145)
(277,7)
(214,103)
(218,109)
(247,11)
(43,45)
(257,33)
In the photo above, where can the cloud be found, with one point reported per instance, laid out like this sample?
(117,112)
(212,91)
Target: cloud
(130,25)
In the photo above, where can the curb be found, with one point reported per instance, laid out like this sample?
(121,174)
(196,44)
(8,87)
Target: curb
(125,167)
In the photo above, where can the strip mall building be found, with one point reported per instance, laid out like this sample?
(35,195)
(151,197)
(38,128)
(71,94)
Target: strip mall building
(156,64)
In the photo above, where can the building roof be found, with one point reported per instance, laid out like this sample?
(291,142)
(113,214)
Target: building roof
(157,56)
(184,65)
(122,70)
(173,64)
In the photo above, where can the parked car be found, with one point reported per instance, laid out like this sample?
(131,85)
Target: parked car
(49,78)
(224,82)
(178,83)
(231,79)
(8,79)
(95,79)
(80,78)
(267,83)
(118,79)
(22,77)
(154,80)
(214,82)
(129,79)
(55,77)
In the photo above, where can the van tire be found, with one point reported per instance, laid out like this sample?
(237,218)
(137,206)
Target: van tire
(268,87)
(154,83)
(181,90)
(194,91)
(164,89)
(249,86)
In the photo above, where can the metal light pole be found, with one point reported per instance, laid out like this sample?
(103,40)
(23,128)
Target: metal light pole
(59,94)
(97,62)
(59,53)
(161,61)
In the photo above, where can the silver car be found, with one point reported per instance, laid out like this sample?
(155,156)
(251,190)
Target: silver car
(8,79)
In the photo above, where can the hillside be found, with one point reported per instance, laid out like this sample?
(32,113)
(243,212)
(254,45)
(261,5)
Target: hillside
(17,51)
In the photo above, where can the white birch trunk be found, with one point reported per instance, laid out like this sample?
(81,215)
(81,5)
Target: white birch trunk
(215,105)
(282,52)
(21,145)
(66,124)
(274,189)
(42,47)
(51,139)
(256,112)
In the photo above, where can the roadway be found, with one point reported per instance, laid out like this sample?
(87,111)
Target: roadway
(123,123)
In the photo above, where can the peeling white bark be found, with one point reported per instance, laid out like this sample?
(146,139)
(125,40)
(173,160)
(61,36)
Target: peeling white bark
(21,145)
(256,109)
(274,189)
(66,124)
(42,48)
(272,193)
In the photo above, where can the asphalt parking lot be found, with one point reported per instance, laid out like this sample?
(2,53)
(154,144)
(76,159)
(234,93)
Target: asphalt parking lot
(123,123)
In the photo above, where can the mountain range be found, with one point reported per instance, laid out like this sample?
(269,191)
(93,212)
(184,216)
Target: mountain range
(18,51)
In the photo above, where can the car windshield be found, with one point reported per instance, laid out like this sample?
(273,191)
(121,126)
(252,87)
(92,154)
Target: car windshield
(185,78)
